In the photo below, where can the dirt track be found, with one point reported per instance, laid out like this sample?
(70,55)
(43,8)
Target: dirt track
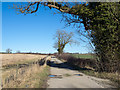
(67,79)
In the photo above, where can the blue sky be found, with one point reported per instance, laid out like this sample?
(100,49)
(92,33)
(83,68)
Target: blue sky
(34,33)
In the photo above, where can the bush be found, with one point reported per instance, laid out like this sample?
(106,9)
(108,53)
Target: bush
(82,63)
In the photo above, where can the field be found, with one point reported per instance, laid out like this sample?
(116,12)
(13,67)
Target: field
(19,58)
(85,56)
(23,71)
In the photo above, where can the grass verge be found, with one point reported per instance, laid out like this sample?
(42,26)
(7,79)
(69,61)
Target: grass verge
(42,78)
(34,76)
(113,77)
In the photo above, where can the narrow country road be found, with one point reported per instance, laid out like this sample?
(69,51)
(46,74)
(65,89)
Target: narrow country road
(66,77)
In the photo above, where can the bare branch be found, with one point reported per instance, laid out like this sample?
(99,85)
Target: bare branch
(36,8)
(62,7)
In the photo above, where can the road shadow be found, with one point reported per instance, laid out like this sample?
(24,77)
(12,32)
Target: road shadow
(64,65)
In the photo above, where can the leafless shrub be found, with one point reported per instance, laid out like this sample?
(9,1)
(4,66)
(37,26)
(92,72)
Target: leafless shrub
(78,61)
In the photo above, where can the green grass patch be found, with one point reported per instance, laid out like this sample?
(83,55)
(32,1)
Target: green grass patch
(84,56)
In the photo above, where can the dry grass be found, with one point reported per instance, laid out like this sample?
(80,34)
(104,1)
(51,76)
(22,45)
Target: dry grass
(114,77)
(19,58)
(31,76)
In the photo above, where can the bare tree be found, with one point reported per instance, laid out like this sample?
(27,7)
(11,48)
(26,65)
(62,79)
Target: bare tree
(62,38)
(8,50)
